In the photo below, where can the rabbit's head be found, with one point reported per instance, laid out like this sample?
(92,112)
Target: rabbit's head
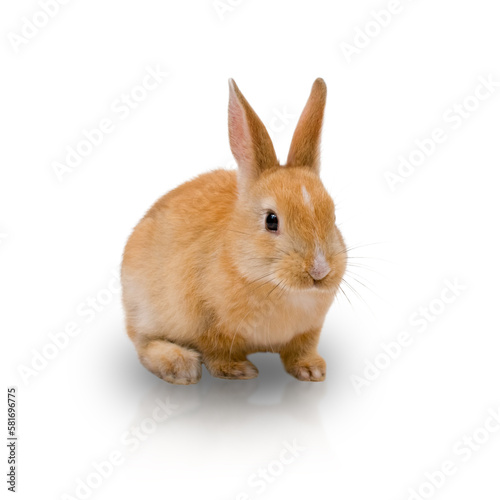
(284,219)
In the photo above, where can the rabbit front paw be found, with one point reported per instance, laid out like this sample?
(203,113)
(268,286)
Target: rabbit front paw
(234,370)
(308,369)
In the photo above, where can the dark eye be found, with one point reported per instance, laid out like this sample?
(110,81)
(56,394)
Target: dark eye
(272,222)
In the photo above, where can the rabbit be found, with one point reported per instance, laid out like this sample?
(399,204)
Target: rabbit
(237,262)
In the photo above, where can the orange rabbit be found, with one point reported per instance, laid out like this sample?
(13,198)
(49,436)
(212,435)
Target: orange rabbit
(232,263)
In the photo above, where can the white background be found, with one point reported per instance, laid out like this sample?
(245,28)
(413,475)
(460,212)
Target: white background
(61,241)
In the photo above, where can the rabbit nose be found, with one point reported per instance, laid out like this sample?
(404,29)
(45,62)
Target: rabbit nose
(320,267)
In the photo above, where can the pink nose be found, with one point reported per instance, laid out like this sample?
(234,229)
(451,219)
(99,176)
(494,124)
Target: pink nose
(319,268)
(319,274)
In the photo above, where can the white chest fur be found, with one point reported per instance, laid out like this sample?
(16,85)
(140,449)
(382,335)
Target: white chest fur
(274,323)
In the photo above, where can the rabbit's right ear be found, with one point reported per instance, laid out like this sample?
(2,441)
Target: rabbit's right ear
(305,147)
(250,143)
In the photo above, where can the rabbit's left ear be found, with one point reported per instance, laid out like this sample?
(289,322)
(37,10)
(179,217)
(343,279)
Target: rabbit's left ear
(250,143)
(305,147)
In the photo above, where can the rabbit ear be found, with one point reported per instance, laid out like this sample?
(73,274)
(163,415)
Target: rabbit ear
(305,147)
(250,143)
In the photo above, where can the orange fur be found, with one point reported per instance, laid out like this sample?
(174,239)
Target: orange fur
(201,274)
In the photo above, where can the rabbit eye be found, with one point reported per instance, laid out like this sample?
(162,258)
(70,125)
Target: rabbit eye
(272,222)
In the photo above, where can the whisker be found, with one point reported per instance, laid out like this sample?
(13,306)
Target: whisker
(262,284)
(274,288)
(345,295)
(352,289)
(359,296)
(352,248)
(354,276)
(357,273)
(364,257)
(283,288)
(363,266)
(258,279)
(363,245)
(365,286)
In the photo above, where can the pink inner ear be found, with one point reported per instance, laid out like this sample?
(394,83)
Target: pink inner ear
(236,123)
(239,135)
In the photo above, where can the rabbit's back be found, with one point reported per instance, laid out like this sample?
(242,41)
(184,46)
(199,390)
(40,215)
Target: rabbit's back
(169,252)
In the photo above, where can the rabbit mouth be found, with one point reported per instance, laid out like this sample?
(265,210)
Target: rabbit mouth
(323,284)
(328,283)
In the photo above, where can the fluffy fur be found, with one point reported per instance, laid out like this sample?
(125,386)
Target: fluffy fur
(204,281)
